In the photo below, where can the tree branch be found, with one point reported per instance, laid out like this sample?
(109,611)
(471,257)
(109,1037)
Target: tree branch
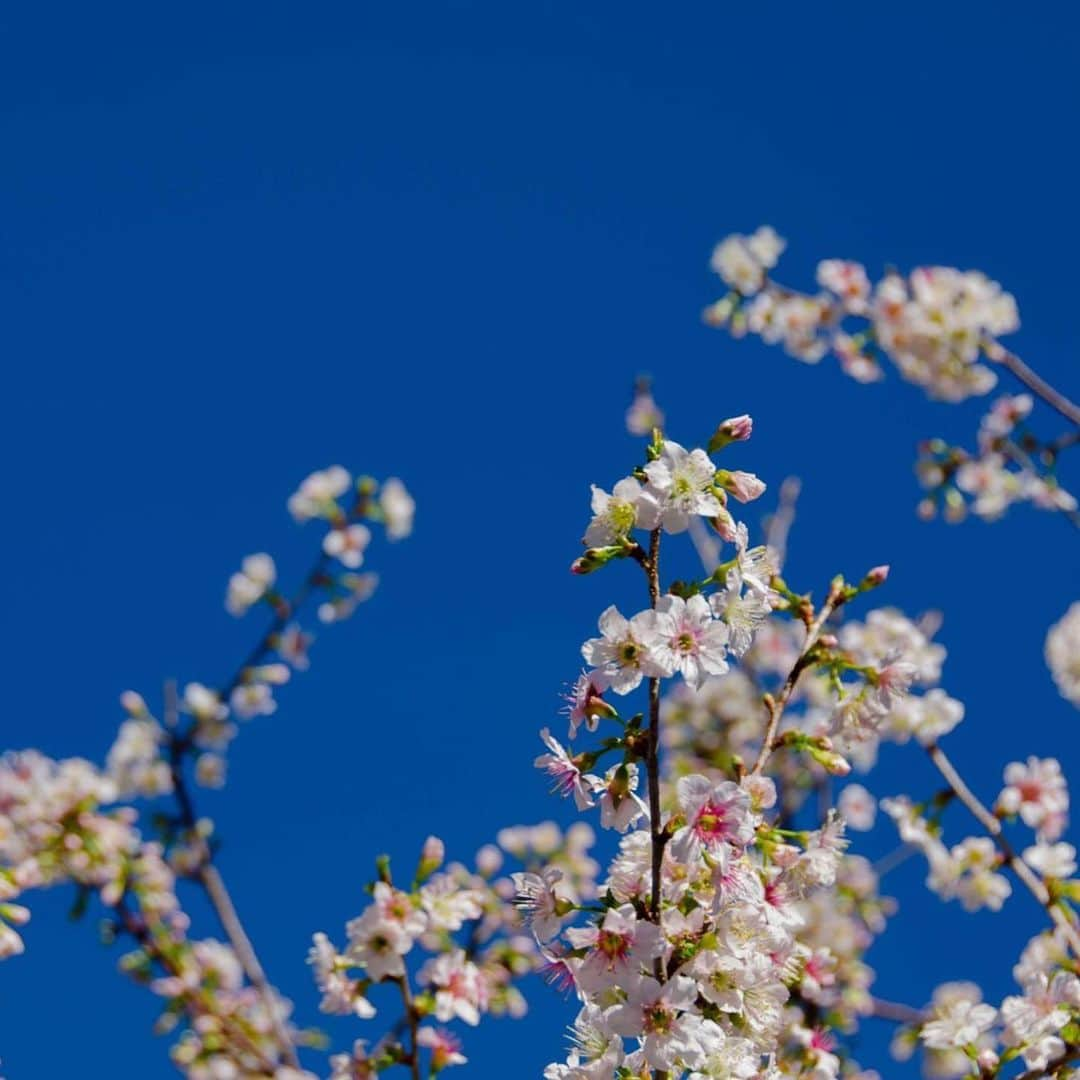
(776,706)
(1035,884)
(1032,380)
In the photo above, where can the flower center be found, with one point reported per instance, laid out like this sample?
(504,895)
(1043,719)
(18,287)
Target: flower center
(711,823)
(613,946)
(658,1020)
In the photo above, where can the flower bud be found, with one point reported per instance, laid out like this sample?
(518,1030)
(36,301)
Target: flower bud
(133,704)
(832,762)
(734,429)
(744,486)
(595,558)
(432,855)
(489,859)
(874,577)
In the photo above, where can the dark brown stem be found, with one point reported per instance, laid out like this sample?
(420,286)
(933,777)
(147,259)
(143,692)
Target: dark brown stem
(413,1022)
(652,760)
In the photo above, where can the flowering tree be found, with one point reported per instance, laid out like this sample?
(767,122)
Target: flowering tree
(713,732)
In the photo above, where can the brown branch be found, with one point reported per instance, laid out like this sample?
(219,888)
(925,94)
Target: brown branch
(412,1021)
(989,821)
(652,759)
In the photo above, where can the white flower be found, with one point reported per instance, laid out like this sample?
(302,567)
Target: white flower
(378,944)
(664,1017)
(741,261)
(250,584)
(135,760)
(1038,793)
(717,815)
(585,702)
(619,947)
(253,699)
(857,807)
(203,703)
(685,638)
(681,481)
(848,281)
(957,1024)
(340,993)
(347,544)
(615,515)
(566,777)
(317,494)
(1063,653)
(623,652)
(292,646)
(743,612)
(535,898)
(398,509)
(1052,860)
(620,807)
(459,988)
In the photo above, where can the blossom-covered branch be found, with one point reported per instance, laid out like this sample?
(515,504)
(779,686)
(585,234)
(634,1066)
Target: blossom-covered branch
(940,328)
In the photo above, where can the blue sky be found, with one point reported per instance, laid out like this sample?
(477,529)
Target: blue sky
(245,241)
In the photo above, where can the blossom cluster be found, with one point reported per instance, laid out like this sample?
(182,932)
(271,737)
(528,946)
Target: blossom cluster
(66,822)
(452,945)
(720,936)
(940,328)
(730,934)
(1010,466)
(938,325)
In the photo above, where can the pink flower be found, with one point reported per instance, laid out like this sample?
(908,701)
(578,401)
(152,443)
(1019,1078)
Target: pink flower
(445,1047)
(717,816)
(1038,793)
(567,778)
(685,638)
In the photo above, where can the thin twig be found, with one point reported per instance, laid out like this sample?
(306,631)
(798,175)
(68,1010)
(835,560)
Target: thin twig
(776,706)
(893,859)
(997,352)
(779,522)
(140,932)
(895,1011)
(1035,884)
(705,544)
(181,744)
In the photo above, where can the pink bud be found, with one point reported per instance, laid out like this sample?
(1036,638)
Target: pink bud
(738,428)
(133,703)
(433,851)
(878,575)
(488,860)
(744,486)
